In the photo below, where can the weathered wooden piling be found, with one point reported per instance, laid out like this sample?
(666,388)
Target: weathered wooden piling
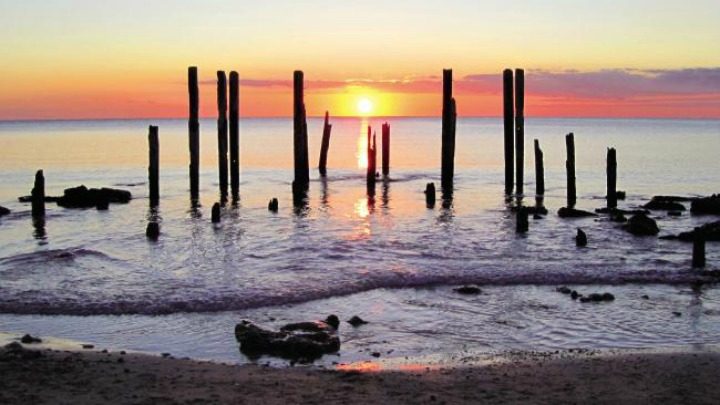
(37,195)
(154,165)
(273,205)
(386,149)
(325,145)
(222,140)
(215,213)
(521,220)
(611,178)
(449,118)
(519,129)
(300,145)
(539,170)
(430,195)
(509,129)
(152,231)
(570,170)
(372,160)
(698,257)
(234,135)
(194,132)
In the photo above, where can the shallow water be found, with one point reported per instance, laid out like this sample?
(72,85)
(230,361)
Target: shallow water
(88,262)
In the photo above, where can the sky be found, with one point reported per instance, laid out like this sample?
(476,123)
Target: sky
(128,59)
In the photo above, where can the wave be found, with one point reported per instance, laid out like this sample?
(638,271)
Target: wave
(50,255)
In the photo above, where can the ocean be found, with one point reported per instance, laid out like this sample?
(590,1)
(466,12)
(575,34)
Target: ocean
(92,276)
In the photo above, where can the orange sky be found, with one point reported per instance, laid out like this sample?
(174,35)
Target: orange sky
(88,59)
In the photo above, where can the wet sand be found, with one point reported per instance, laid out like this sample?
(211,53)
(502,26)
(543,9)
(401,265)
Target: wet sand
(565,377)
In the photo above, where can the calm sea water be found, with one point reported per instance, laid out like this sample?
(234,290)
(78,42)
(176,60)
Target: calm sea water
(348,252)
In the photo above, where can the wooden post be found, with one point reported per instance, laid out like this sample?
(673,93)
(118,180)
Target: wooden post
(611,178)
(570,170)
(222,125)
(152,231)
(37,195)
(698,258)
(325,146)
(386,149)
(449,116)
(521,220)
(519,129)
(372,160)
(539,170)
(215,213)
(508,114)
(300,146)
(273,205)
(154,168)
(234,135)
(430,195)
(194,132)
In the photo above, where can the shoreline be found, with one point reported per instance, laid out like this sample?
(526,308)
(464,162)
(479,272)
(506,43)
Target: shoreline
(620,376)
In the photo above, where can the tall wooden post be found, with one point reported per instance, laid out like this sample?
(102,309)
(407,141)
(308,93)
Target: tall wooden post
(386,149)
(37,195)
(222,124)
(611,178)
(300,146)
(539,170)
(194,132)
(325,145)
(371,159)
(570,170)
(449,117)
(154,167)
(519,129)
(509,130)
(234,135)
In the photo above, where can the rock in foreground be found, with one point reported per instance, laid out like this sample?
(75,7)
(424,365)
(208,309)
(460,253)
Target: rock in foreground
(706,205)
(82,197)
(294,341)
(641,225)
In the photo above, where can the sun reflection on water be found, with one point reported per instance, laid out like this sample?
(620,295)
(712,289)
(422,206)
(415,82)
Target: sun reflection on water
(362,144)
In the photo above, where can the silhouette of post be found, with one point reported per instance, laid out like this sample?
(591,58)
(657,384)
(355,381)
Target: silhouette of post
(234,135)
(386,149)
(154,165)
(519,129)
(222,126)
(194,132)
(521,220)
(215,213)
(539,170)
(508,114)
(371,159)
(37,195)
(611,178)
(449,117)
(325,145)
(570,170)
(300,146)
(698,258)
(430,195)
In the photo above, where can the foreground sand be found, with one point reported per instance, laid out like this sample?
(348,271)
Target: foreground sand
(93,377)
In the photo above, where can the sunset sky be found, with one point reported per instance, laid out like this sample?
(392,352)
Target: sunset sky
(94,59)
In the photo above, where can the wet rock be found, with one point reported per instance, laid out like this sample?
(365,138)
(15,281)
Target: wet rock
(674,213)
(14,346)
(574,295)
(566,212)
(3,211)
(82,197)
(641,225)
(331,323)
(581,238)
(86,346)
(468,290)
(677,313)
(295,343)
(356,321)
(273,205)
(710,232)
(563,290)
(375,354)
(596,297)
(620,195)
(29,339)
(665,203)
(706,205)
(645,297)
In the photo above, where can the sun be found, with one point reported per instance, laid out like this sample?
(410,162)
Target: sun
(364,106)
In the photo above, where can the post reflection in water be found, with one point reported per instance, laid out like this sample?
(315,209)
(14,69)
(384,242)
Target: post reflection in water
(39,232)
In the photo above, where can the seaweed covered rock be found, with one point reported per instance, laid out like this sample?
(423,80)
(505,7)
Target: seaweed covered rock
(665,203)
(706,205)
(566,212)
(641,225)
(305,341)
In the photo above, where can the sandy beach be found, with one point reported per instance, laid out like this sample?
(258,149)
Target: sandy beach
(57,376)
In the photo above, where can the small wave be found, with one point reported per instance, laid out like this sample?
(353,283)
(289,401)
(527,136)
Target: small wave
(44,256)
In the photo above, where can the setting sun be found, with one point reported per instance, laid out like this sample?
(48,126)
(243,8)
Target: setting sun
(364,106)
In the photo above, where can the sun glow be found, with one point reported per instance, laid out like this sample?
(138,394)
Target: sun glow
(365,106)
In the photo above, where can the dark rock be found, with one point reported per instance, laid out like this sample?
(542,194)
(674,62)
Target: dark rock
(597,297)
(566,212)
(28,339)
(616,211)
(563,290)
(620,195)
(674,213)
(664,203)
(677,313)
(645,297)
(103,205)
(608,297)
(581,238)
(537,216)
(574,295)
(671,198)
(48,198)
(165,355)
(82,197)
(215,213)
(709,232)
(356,321)
(295,345)
(375,354)
(152,231)
(706,205)
(14,346)
(331,323)
(273,205)
(618,217)
(88,346)
(3,211)
(468,290)
(535,210)
(641,225)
